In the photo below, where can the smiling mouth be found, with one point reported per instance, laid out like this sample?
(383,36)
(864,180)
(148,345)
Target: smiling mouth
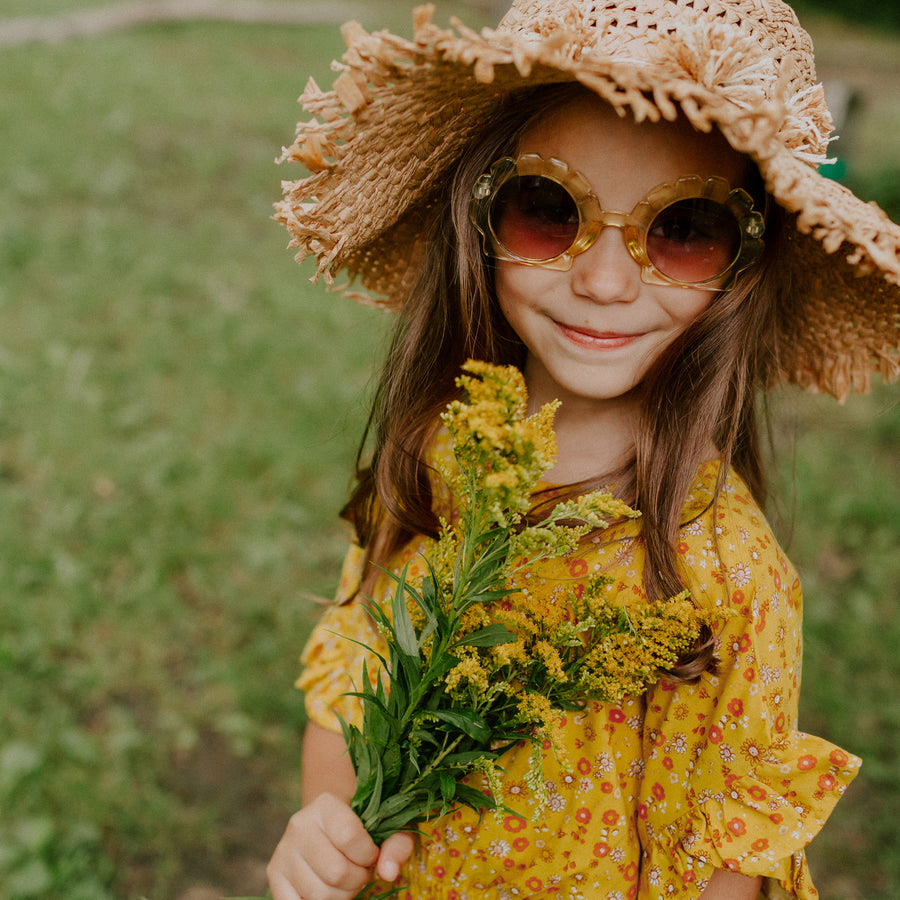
(597,340)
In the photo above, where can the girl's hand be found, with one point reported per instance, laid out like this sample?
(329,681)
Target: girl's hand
(326,854)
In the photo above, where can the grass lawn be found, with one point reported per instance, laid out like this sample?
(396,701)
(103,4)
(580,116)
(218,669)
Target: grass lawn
(179,410)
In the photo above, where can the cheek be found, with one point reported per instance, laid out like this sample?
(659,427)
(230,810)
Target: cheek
(685,309)
(509,292)
(521,287)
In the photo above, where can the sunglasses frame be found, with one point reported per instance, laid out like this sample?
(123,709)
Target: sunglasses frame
(635,225)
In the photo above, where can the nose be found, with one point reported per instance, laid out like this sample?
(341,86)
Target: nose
(606,272)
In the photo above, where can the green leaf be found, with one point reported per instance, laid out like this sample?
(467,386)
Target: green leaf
(422,736)
(440,667)
(407,676)
(375,796)
(378,720)
(426,600)
(466,720)
(403,627)
(464,760)
(411,767)
(398,803)
(365,646)
(379,726)
(391,761)
(492,596)
(489,636)
(448,787)
(370,699)
(345,728)
(391,892)
(398,822)
(366,764)
(481,595)
(398,812)
(397,702)
(377,613)
(473,798)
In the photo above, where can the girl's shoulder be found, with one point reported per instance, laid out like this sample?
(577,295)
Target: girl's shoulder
(733,504)
(727,550)
(708,514)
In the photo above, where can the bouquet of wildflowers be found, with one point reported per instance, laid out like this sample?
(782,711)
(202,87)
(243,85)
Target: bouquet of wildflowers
(470,669)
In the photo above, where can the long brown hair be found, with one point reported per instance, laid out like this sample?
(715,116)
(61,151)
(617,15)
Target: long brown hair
(702,389)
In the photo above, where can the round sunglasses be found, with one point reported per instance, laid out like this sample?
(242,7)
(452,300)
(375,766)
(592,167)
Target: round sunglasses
(697,232)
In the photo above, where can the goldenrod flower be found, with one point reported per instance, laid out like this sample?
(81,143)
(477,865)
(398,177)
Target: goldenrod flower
(467,674)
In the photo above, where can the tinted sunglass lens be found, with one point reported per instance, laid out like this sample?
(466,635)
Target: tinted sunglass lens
(694,240)
(534,218)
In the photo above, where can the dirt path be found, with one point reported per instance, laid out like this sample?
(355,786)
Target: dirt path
(102,19)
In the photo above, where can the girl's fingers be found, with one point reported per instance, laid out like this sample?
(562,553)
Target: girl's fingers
(345,831)
(305,885)
(325,854)
(327,878)
(280,887)
(395,851)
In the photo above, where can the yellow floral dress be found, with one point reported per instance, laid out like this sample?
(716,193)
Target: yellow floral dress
(661,789)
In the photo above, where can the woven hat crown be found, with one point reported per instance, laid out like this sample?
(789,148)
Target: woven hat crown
(751,55)
(755,28)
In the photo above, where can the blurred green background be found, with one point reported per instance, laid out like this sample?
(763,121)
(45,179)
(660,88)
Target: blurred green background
(178,413)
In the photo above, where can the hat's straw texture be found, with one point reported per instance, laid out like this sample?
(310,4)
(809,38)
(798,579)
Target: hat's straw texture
(382,142)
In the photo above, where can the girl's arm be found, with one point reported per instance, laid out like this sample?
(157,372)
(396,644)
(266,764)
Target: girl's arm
(326,766)
(325,851)
(726,885)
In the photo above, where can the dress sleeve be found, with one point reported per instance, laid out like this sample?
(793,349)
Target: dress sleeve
(333,657)
(729,782)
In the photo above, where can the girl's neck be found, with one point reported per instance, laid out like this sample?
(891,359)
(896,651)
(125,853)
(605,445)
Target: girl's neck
(594,438)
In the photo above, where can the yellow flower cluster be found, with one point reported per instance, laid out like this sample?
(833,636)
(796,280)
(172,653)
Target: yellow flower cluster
(495,443)
(469,673)
(603,651)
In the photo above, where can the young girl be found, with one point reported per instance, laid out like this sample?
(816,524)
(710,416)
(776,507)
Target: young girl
(622,200)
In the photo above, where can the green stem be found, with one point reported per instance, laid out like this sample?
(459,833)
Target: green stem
(434,763)
(372,825)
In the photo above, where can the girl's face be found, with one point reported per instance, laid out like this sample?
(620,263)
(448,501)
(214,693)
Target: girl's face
(593,332)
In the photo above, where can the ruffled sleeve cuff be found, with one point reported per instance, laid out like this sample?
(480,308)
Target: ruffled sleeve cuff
(333,657)
(757,823)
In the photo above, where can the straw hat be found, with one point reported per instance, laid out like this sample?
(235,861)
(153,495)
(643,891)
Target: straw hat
(383,140)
